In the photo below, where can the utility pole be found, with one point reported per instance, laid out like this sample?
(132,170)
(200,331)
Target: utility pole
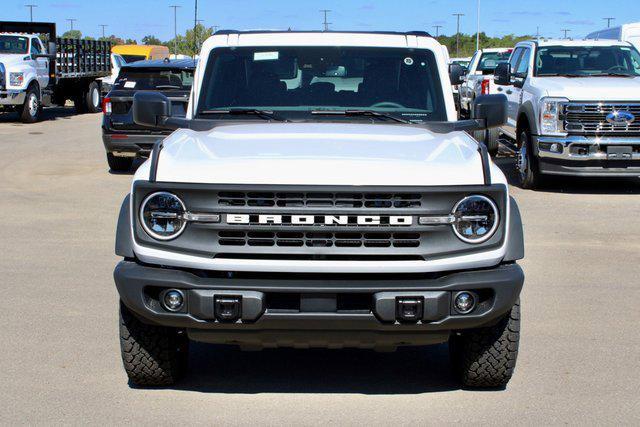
(437,27)
(195,30)
(538,32)
(175,28)
(31,6)
(565,31)
(325,23)
(609,21)
(478,30)
(458,15)
(215,28)
(71,21)
(103,27)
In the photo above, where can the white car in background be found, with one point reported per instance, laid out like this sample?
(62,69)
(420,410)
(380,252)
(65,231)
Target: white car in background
(117,61)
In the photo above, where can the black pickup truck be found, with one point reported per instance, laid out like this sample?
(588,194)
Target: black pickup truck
(123,139)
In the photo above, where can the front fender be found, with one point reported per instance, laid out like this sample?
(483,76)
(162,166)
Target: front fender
(529,111)
(124,243)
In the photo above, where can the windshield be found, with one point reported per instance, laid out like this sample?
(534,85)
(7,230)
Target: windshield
(585,61)
(299,80)
(133,58)
(490,60)
(13,44)
(146,79)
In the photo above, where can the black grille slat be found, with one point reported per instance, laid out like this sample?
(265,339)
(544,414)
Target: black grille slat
(365,201)
(584,119)
(319,239)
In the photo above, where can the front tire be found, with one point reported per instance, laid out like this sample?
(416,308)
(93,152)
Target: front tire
(151,355)
(92,98)
(526,163)
(486,357)
(119,164)
(31,108)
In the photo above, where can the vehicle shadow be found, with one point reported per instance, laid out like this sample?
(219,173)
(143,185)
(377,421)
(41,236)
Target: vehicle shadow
(226,369)
(571,185)
(51,113)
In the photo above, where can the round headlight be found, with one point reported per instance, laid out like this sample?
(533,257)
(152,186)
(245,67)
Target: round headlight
(476,219)
(162,216)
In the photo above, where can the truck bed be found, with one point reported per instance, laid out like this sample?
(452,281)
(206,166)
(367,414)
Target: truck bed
(82,58)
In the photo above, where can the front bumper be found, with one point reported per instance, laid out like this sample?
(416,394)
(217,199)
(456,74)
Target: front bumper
(12,97)
(318,310)
(588,156)
(130,145)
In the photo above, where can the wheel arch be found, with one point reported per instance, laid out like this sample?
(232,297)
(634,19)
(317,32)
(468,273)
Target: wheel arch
(124,244)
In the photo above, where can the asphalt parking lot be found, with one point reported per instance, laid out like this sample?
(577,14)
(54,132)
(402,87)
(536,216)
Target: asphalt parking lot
(60,359)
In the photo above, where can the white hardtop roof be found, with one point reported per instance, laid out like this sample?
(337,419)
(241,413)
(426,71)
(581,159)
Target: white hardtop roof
(568,42)
(321,38)
(17,34)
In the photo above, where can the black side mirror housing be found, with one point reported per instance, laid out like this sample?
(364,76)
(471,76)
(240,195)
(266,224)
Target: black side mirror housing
(492,109)
(456,74)
(151,109)
(502,74)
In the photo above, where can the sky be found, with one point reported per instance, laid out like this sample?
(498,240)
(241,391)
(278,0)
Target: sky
(137,18)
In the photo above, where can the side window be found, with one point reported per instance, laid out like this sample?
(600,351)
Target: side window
(473,58)
(35,46)
(523,65)
(515,56)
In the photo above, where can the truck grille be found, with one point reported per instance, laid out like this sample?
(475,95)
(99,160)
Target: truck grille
(319,239)
(591,119)
(321,200)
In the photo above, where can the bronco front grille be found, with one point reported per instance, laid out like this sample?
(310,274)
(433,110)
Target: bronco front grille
(591,119)
(319,239)
(320,200)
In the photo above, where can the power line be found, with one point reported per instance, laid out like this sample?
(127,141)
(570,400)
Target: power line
(71,21)
(325,23)
(437,27)
(31,6)
(175,28)
(609,21)
(458,15)
(103,27)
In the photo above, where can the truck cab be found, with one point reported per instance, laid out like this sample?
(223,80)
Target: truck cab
(573,108)
(320,192)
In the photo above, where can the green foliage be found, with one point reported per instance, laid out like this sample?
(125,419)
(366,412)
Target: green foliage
(72,34)
(468,42)
(151,40)
(190,43)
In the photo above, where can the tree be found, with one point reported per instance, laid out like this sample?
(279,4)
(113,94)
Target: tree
(468,42)
(72,34)
(191,42)
(113,39)
(131,41)
(151,40)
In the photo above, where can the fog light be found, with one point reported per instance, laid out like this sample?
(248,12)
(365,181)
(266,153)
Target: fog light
(556,148)
(464,302)
(173,300)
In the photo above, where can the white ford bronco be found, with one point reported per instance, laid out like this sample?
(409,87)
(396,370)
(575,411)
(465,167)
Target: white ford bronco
(320,193)
(574,108)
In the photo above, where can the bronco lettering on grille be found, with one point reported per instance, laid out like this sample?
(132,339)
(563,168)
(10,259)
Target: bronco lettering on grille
(320,220)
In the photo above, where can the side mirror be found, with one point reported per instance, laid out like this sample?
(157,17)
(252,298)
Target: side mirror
(151,109)
(502,74)
(492,109)
(456,74)
(53,49)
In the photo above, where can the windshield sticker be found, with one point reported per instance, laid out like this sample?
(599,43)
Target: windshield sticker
(408,61)
(266,56)
(129,85)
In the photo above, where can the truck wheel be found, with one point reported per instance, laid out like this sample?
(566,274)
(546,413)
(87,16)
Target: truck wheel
(92,98)
(486,357)
(119,164)
(31,108)
(492,137)
(526,163)
(151,355)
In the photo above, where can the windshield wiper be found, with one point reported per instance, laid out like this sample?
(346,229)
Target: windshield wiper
(614,74)
(562,75)
(168,87)
(370,113)
(265,114)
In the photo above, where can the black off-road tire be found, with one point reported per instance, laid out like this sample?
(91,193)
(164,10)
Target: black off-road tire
(527,168)
(489,137)
(119,164)
(486,357)
(93,99)
(29,114)
(151,355)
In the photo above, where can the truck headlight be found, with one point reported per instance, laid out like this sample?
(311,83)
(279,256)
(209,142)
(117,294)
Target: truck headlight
(16,79)
(475,219)
(550,121)
(162,216)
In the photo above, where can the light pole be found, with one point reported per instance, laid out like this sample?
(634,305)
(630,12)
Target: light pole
(609,21)
(325,23)
(437,27)
(175,28)
(458,15)
(31,6)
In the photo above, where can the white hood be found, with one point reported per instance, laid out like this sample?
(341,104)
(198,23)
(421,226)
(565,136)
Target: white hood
(591,88)
(320,154)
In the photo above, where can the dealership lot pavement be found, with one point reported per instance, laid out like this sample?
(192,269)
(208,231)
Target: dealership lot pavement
(60,358)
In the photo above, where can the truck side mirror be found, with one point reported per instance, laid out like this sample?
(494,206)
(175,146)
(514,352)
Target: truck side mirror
(456,74)
(492,109)
(53,50)
(151,109)
(502,74)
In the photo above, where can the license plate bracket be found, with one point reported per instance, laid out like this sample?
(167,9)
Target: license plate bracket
(619,152)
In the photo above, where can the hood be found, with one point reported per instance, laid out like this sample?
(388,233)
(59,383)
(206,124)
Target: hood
(319,154)
(11,59)
(591,88)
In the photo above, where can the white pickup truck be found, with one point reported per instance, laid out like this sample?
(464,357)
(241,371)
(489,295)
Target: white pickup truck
(33,76)
(574,108)
(320,193)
